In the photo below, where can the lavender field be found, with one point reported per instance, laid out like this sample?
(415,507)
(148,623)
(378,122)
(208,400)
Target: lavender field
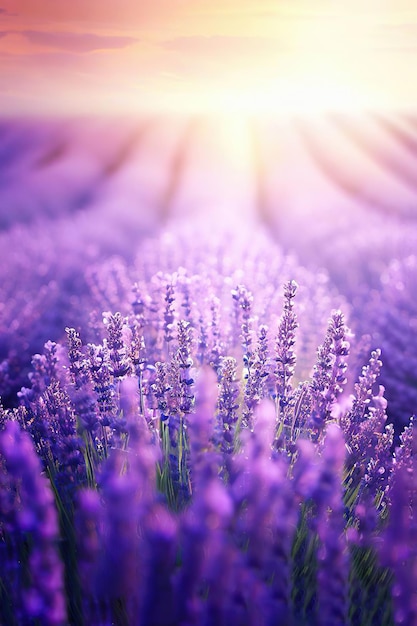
(208,370)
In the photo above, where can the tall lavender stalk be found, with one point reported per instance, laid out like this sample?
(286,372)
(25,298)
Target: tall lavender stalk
(284,347)
(399,548)
(34,532)
(266,521)
(227,406)
(329,375)
(203,583)
(333,565)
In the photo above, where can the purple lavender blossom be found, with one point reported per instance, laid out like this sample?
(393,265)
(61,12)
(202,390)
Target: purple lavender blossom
(120,365)
(204,525)
(329,374)
(227,405)
(35,516)
(398,550)
(332,553)
(267,519)
(362,395)
(256,374)
(285,341)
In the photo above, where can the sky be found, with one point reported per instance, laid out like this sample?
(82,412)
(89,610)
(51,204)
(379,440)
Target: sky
(116,56)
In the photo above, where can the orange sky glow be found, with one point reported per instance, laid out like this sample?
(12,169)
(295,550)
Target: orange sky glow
(121,56)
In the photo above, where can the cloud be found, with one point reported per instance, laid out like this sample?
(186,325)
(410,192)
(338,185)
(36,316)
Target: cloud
(72,42)
(77,42)
(96,12)
(233,47)
(223,62)
(6,13)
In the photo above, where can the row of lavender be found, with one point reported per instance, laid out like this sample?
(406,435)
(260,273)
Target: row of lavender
(45,283)
(183,467)
(372,261)
(55,276)
(73,193)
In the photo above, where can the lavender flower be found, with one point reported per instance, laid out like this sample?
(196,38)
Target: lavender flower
(120,365)
(257,371)
(398,550)
(214,333)
(227,405)
(332,553)
(243,311)
(207,556)
(267,519)
(87,524)
(160,545)
(77,363)
(103,382)
(403,455)
(201,426)
(169,316)
(363,395)
(185,361)
(329,375)
(43,601)
(284,346)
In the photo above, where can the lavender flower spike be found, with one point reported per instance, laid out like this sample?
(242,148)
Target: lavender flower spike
(203,458)
(332,554)
(329,376)
(285,341)
(36,516)
(399,550)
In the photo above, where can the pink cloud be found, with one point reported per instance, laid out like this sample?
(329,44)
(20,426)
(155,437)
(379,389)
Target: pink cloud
(97,12)
(235,46)
(72,42)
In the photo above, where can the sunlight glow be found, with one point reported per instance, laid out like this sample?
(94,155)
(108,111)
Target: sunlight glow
(325,66)
(309,96)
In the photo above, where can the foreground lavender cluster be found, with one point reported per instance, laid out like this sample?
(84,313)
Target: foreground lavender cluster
(199,460)
(377,275)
